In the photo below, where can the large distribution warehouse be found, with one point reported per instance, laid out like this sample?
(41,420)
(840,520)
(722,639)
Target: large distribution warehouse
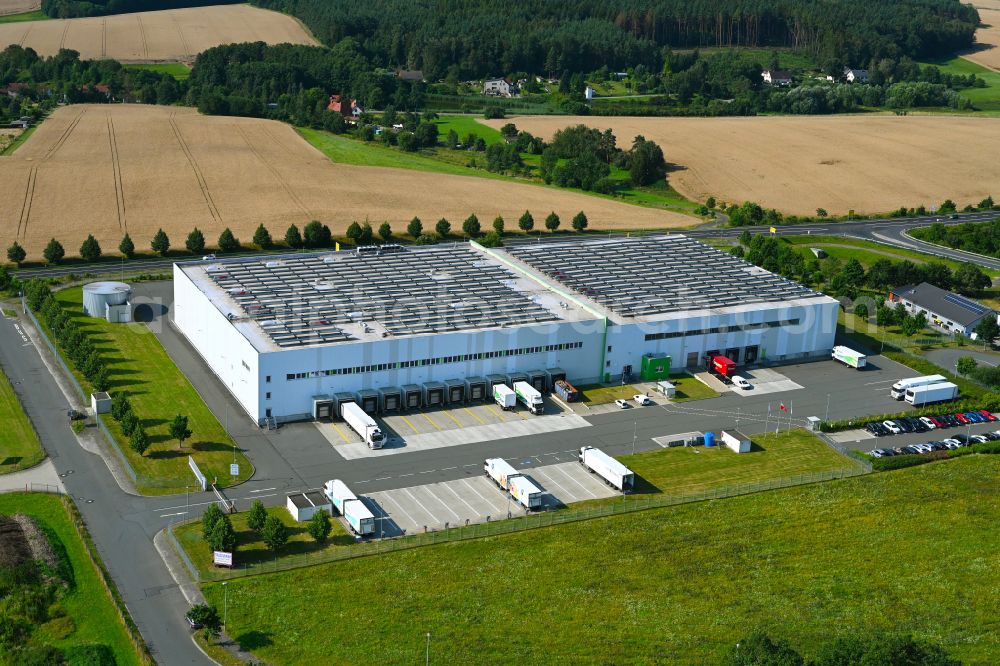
(395,327)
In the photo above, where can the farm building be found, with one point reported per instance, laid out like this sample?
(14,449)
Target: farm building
(947,311)
(401,327)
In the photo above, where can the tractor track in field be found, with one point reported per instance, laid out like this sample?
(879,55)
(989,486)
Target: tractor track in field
(116,169)
(29,195)
(142,36)
(274,172)
(205,192)
(54,148)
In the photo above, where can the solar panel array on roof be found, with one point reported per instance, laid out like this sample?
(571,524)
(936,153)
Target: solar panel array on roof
(309,300)
(637,277)
(962,302)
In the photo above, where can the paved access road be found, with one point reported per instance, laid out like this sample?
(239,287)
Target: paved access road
(891,231)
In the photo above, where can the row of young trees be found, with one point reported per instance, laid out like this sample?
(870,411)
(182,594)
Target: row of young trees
(873,649)
(315,235)
(978,237)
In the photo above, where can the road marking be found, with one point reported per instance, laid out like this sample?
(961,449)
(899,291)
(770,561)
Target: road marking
(386,497)
(474,415)
(441,502)
(420,504)
(340,432)
(167,515)
(471,508)
(428,471)
(412,427)
(436,426)
(881,381)
(566,474)
(445,469)
(452,417)
(410,474)
(485,499)
(255,497)
(549,482)
(262,490)
(383,478)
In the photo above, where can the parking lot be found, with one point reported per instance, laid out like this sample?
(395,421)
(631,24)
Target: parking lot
(764,381)
(476,499)
(862,440)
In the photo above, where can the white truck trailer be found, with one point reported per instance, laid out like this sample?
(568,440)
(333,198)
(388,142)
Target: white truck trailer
(613,472)
(931,393)
(529,396)
(736,441)
(509,479)
(354,511)
(898,390)
(362,424)
(504,396)
(849,357)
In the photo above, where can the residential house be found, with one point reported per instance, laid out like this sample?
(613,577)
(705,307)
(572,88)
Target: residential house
(348,109)
(855,75)
(776,77)
(945,310)
(411,75)
(499,88)
(14,90)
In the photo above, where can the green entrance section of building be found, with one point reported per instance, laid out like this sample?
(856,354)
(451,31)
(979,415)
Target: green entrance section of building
(655,367)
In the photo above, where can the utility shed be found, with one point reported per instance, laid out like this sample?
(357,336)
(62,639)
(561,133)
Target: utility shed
(736,440)
(100,402)
(303,506)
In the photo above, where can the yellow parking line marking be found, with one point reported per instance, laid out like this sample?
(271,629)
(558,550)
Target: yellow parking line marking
(452,417)
(431,422)
(495,412)
(474,415)
(340,432)
(412,427)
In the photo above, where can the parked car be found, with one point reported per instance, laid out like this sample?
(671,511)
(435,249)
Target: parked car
(992,436)
(741,382)
(979,439)
(912,450)
(918,425)
(938,423)
(642,400)
(975,417)
(951,420)
(952,443)
(892,427)
(621,404)
(875,453)
(208,257)
(926,420)
(987,414)
(962,418)
(937,446)
(962,439)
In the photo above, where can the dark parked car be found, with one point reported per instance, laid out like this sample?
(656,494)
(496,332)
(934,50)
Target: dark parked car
(964,439)
(975,417)
(987,414)
(904,425)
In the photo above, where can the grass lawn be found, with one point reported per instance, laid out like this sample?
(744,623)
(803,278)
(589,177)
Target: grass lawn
(18,140)
(91,611)
(158,390)
(806,563)
(19,445)
(988,98)
(178,70)
(686,470)
(465,125)
(689,388)
(596,394)
(37,15)
(251,549)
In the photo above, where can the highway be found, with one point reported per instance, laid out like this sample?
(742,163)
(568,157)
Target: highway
(889,231)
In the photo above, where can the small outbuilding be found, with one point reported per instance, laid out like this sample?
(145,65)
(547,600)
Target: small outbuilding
(100,402)
(667,389)
(108,300)
(736,441)
(303,506)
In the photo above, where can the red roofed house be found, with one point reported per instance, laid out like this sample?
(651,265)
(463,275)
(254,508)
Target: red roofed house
(339,105)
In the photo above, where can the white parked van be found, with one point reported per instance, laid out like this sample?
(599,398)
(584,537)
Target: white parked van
(742,383)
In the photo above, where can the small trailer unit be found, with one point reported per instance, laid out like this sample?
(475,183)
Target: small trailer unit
(736,440)
(613,472)
(849,357)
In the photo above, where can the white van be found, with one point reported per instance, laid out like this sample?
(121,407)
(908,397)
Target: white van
(741,382)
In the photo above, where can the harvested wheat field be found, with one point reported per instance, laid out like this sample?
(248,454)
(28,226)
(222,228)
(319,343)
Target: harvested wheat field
(171,35)
(987,52)
(108,169)
(870,164)
(18,6)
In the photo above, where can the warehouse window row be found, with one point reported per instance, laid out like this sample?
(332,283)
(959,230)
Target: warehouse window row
(722,329)
(461,358)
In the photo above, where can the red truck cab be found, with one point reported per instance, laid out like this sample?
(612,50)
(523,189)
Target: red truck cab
(722,365)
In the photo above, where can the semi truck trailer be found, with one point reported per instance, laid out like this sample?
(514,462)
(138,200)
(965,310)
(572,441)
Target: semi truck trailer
(529,397)
(566,391)
(898,390)
(722,366)
(849,357)
(504,396)
(931,393)
(516,484)
(613,472)
(362,424)
(347,504)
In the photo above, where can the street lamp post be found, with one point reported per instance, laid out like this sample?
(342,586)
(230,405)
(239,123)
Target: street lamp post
(427,659)
(827,407)
(635,428)
(225,604)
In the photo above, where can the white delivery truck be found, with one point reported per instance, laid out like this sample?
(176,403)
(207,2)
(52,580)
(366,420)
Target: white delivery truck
(350,507)
(849,357)
(931,393)
(530,396)
(504,396)
(525,492)
(500,471)
(898,390)
(606,467)
(362,424)
(358,516)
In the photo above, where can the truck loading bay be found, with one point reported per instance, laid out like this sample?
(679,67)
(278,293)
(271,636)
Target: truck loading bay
(301,456)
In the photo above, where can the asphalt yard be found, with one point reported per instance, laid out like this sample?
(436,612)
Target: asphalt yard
(476,499)
(433,429)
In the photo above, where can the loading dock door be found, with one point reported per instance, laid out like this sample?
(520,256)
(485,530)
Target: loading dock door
(323,409)
(456,394)
(369,403)
(538,381)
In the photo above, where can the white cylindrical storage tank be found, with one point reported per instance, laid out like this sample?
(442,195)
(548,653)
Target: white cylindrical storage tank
(98,295)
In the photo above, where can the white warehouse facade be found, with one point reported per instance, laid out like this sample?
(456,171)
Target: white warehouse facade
(395,327)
